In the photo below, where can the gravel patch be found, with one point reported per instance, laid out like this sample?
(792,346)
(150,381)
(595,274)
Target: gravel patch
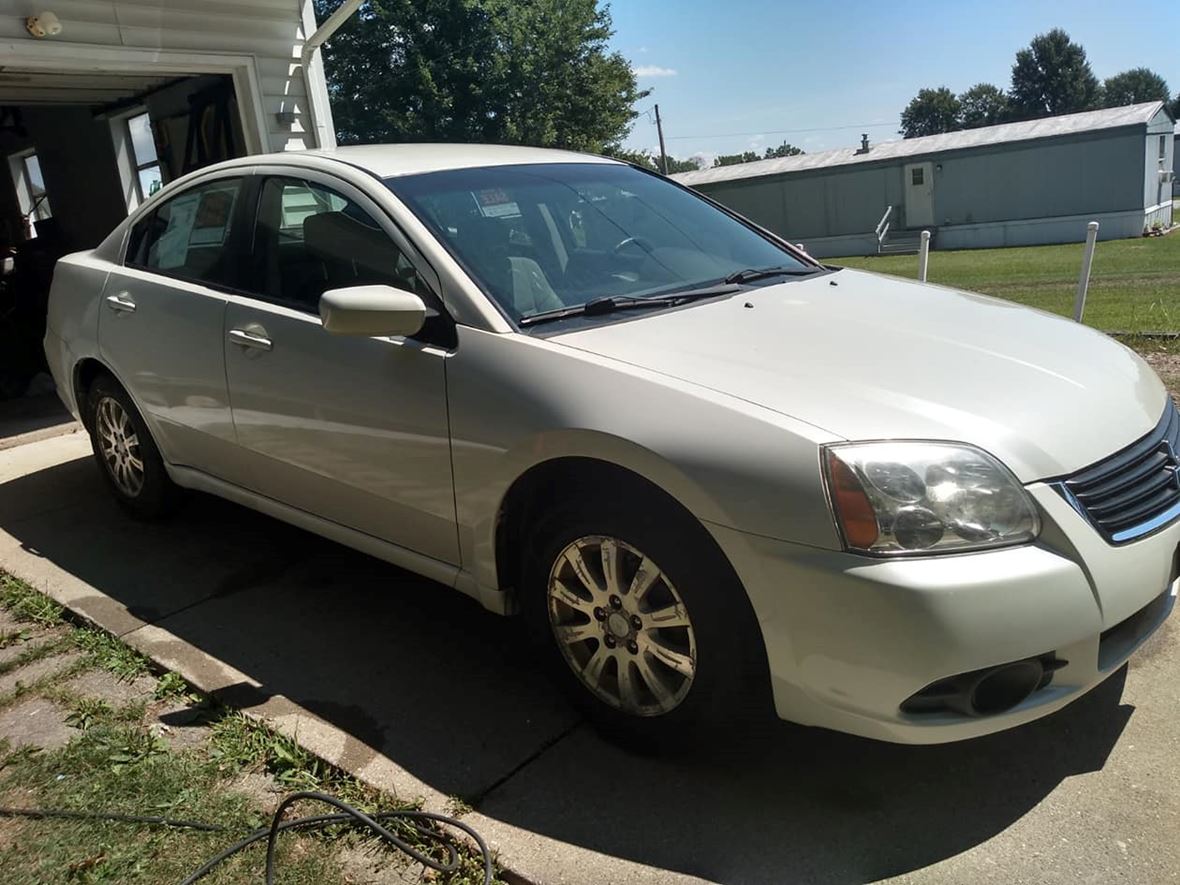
(36,722)
(115,691)
(36,671)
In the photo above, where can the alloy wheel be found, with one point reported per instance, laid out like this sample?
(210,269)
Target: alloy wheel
(621,626)
(119,444)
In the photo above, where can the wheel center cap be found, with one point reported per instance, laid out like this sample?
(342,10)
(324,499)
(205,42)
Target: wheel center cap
(618,625)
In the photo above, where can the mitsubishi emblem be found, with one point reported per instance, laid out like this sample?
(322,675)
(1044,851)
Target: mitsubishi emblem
(1173,462)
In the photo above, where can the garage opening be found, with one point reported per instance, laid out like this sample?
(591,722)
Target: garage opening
(82,149)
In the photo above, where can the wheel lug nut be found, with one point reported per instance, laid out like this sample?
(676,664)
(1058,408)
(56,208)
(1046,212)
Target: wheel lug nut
(609,641)
(633,647)
(636,623)
(615,602)
(599,614)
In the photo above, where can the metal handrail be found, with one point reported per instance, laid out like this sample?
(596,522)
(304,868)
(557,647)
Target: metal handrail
(883,226)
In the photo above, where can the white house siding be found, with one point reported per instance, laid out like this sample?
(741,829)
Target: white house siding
(1157,193)
(269,32)
(1036,181)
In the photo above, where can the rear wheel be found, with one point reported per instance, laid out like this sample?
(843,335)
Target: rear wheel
(643,622)
(126,454)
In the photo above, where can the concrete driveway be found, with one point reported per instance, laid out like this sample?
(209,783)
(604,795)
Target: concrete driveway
(417,688)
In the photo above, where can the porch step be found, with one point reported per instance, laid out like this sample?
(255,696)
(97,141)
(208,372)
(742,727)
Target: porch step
(905,242)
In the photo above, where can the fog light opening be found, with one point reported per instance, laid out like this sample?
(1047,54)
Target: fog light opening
(1005,687)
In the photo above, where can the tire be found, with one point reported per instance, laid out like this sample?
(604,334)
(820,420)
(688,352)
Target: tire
(126,454)
(663,711)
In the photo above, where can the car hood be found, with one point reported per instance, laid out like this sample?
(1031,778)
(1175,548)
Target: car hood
(865,356)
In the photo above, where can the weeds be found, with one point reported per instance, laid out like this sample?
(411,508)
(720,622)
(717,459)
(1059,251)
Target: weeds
(106,652)
(26,604)
(89,711)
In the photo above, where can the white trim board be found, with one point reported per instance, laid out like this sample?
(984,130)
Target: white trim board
(45,56)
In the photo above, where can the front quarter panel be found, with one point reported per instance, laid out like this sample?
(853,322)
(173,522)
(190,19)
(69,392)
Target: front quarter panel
(518,401)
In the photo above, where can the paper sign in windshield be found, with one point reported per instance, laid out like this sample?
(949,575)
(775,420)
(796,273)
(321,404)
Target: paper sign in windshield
(495,203)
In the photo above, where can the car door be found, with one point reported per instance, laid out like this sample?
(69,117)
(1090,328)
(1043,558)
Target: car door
(162,317)
(351,429)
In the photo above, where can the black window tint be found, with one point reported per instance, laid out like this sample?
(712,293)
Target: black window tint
(189,236)
(309,239)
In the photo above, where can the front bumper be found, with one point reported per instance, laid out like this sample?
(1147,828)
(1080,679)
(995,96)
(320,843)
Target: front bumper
(849,638)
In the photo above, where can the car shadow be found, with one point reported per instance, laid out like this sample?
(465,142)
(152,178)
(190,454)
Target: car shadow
(420,674)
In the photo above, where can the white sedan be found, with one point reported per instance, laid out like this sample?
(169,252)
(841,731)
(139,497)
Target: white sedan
(713,476)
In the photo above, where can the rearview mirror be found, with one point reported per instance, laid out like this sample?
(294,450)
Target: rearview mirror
(371,311)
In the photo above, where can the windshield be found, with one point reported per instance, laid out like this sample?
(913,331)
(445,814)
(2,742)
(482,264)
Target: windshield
(549,236)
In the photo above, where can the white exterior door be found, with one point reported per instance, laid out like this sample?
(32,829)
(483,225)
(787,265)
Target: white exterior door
(919,195)
(352,429)
(161,319)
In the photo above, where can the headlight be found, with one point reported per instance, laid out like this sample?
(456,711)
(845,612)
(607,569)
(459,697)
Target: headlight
(896,498)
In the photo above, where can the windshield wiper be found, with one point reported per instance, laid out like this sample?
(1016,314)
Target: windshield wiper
(750,274)
(612,303)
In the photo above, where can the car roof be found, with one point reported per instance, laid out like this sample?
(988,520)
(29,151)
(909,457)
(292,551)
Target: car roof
(389,160)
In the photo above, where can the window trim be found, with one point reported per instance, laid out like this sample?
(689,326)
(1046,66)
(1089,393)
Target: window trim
(136,166)
(234,242)
(22,182)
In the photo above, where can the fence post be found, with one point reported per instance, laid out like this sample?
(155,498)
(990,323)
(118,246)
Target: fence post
(923,255)
(1079,303)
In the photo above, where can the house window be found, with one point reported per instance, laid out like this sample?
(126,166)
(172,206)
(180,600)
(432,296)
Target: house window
(148,176)
(30,188)
(1163,147)
(917,176)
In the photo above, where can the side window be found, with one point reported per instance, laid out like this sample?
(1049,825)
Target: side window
(189,235)
(308,239)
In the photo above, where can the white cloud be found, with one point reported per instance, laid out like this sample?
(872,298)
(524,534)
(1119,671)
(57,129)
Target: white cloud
(654,71)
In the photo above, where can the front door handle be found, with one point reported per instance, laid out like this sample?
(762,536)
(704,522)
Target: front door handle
(249,338)
(121,303)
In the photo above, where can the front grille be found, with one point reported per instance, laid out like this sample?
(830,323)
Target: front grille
(1133,492)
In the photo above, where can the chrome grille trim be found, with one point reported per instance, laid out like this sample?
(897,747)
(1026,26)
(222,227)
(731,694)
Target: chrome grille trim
(1135,491)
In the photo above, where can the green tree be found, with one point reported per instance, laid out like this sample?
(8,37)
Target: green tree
(538,73)
(675,165)
(734,159)
(1052,76)
(930,112)
(983,105)
(783,150)
(650,161)
(1134,86)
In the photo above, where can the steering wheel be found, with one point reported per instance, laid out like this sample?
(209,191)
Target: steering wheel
(642,242)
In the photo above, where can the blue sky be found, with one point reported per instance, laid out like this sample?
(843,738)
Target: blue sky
(728,74)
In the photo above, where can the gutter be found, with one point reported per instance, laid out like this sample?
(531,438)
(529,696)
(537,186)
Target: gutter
(329,27)
(313,67)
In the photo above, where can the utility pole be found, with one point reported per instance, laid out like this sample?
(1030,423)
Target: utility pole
(663,153)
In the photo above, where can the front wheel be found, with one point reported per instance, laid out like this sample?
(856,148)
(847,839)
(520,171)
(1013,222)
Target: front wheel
(643,623)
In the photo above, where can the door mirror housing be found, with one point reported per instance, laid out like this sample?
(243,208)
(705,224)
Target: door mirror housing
(372,311)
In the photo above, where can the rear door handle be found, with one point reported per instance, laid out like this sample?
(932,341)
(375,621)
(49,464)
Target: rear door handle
(121,303)
(248,338)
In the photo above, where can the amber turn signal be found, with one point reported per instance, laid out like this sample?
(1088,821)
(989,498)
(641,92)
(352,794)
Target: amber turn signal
(854,513)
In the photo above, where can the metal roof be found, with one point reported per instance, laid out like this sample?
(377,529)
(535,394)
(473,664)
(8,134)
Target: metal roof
(1026,130)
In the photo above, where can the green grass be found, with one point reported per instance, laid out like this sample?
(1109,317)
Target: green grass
(26,604)
(117,763)
(123,769)
(1134,284)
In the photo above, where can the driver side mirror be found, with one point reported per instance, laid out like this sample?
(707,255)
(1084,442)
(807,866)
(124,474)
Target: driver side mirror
(372,311)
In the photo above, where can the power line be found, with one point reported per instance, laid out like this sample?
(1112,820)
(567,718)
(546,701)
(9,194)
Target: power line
(783,131)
